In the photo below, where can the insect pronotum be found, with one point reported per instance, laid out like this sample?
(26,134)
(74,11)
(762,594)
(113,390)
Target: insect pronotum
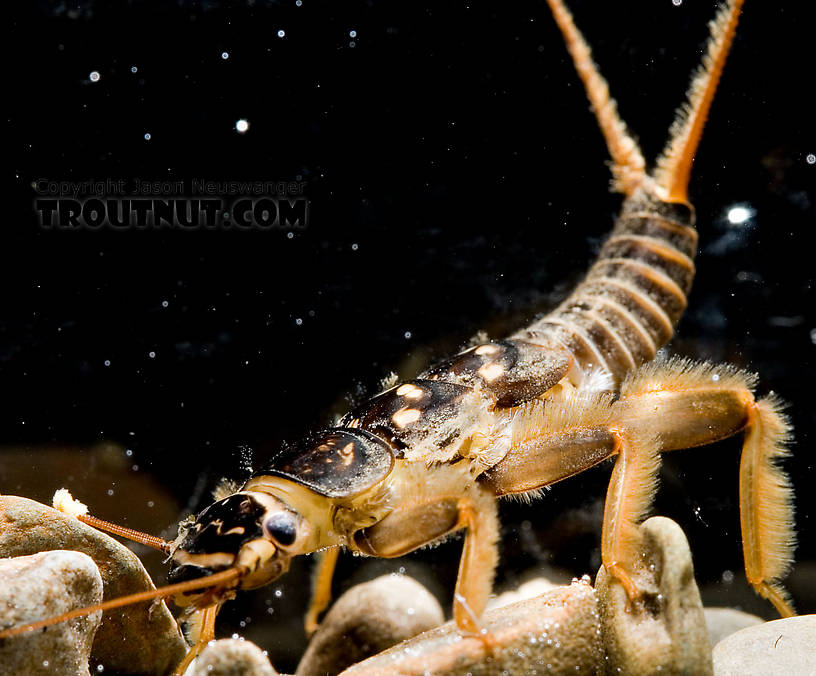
(430,456)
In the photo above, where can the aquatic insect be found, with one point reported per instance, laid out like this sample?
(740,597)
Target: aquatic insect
(430,456)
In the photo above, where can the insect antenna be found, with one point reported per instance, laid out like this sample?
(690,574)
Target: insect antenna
(137,536)
(674,165)
(64,502)
(214,580)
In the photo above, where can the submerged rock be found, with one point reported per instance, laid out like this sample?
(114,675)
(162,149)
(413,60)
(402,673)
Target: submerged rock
(368,618)
(44,585)
(138,639)
(665,630)
(722,622)
(555,633)
(782,647)
(527,590)
(231,657)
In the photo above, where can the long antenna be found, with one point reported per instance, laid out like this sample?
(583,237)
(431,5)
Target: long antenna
(135,535)
(674,166)
(64,502)
(214,580)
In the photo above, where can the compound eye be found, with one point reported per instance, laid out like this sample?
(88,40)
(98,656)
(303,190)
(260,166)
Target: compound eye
(281,528)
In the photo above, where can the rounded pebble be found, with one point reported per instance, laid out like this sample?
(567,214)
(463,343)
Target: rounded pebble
(722,622)
(368,618)
(231,657)
(142,638)
(527,590)
(44,585)
(663,631)
(555,633)
(779,648)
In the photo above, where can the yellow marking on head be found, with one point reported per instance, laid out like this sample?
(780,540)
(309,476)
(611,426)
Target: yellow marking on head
(486,349)
(213,560)
(491,371)
(406,416)
(409,391)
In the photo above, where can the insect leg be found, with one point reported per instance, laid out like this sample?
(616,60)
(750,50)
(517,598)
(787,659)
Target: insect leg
(478,563)
(432,516)
(321,587)
(545,459)
(629,497)
(766,505)
(203,630)
(689,405)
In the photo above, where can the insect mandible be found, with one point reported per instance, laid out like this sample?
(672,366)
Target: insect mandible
(430,456)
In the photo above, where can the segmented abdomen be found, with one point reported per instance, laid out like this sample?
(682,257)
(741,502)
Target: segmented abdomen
(634,294)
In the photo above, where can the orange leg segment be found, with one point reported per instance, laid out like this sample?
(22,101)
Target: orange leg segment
(683,405)
(477,565)
(631,489)
(205,625)
(321,587)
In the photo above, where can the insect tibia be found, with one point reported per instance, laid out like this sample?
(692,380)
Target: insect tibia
(674,165)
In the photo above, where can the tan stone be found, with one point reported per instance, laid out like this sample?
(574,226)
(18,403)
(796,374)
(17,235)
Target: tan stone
(722,622)
(49,583)
(555,633)
(143,638)
(526,590)
(368,618)
(665,630)
(779,648)
(231,657)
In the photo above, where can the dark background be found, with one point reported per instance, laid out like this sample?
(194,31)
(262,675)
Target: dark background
(457,182)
